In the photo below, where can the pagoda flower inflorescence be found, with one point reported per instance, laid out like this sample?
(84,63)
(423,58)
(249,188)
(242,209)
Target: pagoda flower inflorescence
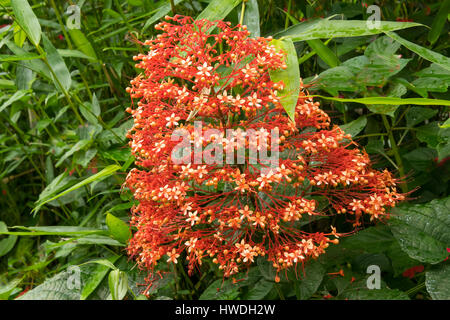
(212,73)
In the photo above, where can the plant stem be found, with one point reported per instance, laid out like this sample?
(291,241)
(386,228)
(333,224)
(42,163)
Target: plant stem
(172,7)
(416,288)
(241,19)
(286,22)
(398,158)
(61,23)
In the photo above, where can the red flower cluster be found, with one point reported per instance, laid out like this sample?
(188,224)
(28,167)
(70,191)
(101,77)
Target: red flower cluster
(232,213)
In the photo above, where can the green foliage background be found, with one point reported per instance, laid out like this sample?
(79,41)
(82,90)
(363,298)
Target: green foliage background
(64,156)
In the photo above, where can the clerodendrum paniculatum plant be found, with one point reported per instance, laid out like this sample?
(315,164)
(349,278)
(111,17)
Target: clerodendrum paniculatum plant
(215,74)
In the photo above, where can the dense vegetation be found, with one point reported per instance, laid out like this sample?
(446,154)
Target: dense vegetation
(64,155)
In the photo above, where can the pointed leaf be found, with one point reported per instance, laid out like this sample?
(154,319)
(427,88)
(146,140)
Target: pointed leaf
(27,20)
(290,76)
(425,53)
(325,28)
(218,9)
(63,79)
(119,229)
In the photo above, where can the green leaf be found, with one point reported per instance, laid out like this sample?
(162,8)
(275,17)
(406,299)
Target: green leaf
(37,66)
(439,22)
(109,170)
(54,230)
(434,78)
(63,79)
(336,79)
(259,290)
(99,273)
(373,239)
(6,84)
(325,28)
(55,288)
(251,17)
(425,53)
(7,290)
(8,243)
(399,259)
(437,282)
(325,53)
(163,11)
(66,53)
(375,294)
(95,106)
(446,124)
(26,56)
(218,9)
(389,100)
(396,90)
(354,127)
(98,239)
(15,97)
(119,229)
(421,159)
(27,20)
(290,76)
(82,43)
(221,290)
(423,230)
(118,284)
(416,115)
(19,35)
(310,279)
(76,147)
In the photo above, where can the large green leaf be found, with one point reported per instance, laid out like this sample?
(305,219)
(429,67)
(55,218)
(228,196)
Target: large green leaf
(325,53)
(374,239)
(437,281)
(416,115)
(325,28)
(61,75)
(27,20)
(221,290)
(290,76)
(218,9)
(118,284)
(82,43)
(374,294)
(119,229)
(99,273)
(354,127)
(251,17)
(259,290)
(390,100)
(423,230)
(425,53)
(439,21)
(65,285)
(36,65)
(309,280)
